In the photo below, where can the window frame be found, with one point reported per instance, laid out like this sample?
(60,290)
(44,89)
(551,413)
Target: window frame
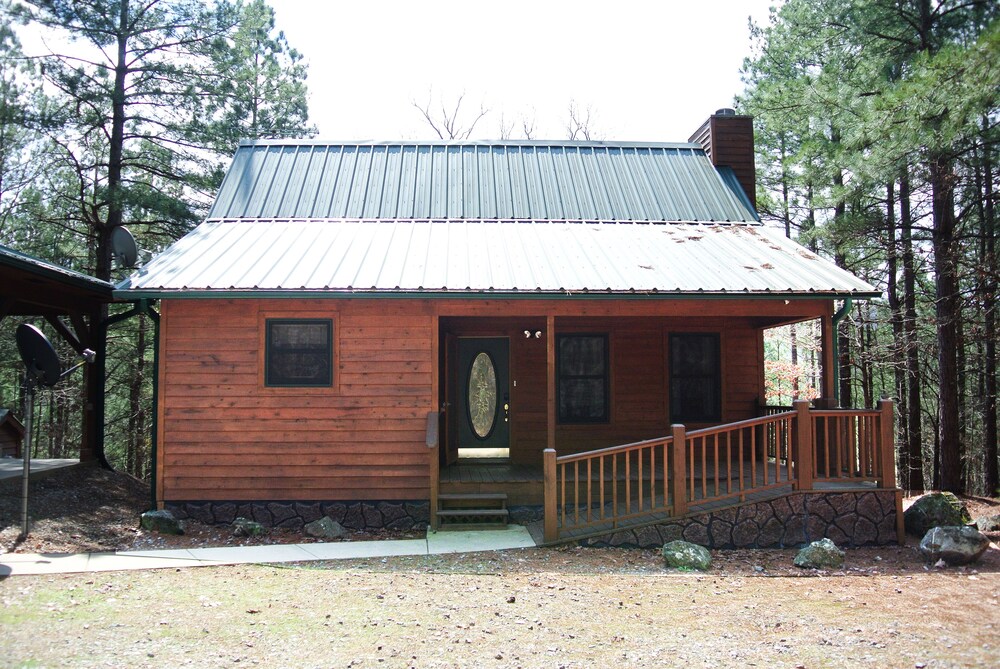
(715,378)
(283,319)
(605,376)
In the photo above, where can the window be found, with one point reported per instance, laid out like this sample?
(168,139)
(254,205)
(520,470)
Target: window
(583,378)
(299,353)
(695,378)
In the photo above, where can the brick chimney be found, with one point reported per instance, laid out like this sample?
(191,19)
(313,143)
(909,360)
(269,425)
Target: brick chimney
(728,140)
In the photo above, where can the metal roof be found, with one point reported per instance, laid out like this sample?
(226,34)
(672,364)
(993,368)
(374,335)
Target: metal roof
(40,268)
(479,180)
(530,258)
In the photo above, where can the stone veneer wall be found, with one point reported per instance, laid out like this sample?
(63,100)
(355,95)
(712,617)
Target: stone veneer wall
(846,518)
(294,515)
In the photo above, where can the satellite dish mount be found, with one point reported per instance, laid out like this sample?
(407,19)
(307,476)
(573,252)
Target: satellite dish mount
(41,368)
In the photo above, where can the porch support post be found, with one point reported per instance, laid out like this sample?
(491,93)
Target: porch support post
(549,456)
(550,376)
(433,443)
(829,362)
(551,510)
(804,446)
(679,487)
(887,442)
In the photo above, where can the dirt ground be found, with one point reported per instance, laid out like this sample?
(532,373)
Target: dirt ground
(543,607)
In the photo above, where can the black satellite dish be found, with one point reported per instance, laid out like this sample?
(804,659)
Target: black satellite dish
(38,355)
(123,247)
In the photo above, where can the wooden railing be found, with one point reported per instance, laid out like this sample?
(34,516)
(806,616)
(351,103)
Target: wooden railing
(611,485)
(597,490)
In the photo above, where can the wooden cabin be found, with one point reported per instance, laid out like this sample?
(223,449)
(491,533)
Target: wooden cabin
(371,327)
(11,435)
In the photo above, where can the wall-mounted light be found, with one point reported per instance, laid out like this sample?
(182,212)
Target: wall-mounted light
(538,334)
(528,334)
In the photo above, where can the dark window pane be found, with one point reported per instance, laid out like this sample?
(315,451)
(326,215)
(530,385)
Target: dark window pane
(299,353)
(695,378)
(583,378)
(581,356)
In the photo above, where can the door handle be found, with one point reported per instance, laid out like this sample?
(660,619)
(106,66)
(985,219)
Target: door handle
(506,407)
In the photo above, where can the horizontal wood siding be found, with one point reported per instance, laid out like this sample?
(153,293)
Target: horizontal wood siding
(226,436)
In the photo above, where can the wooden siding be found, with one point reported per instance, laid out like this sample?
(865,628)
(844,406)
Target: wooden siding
(223,435)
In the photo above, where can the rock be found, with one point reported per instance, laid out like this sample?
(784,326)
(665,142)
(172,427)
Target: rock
(955,544)
(161,521)
(822,554)
(988,523)
(684,555)
(243,527)
(324,528)
(936,509)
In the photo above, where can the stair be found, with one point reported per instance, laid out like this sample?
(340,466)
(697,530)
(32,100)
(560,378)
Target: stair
(472,511)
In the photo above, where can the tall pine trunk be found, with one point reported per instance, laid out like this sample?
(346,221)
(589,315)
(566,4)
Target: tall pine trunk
(913,476)
(947,312)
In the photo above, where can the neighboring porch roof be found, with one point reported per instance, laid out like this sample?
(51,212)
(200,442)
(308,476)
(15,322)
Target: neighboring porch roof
(34,287)
(488,257)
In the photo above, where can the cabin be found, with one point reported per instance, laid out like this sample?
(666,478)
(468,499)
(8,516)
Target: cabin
(565,333)
(11,435)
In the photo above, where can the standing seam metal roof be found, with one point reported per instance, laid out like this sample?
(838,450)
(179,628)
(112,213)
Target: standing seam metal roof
(477,180)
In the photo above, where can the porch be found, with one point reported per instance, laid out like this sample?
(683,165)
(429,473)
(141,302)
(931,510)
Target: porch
(594,493)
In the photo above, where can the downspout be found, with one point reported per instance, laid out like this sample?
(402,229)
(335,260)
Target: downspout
(837,317)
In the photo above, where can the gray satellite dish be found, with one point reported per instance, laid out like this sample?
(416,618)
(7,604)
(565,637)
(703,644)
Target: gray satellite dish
(123,247)
(38,355)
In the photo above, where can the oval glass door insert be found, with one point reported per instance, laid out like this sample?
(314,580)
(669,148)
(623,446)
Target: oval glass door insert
(482,397)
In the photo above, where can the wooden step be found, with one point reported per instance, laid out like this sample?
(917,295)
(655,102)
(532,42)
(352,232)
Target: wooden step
(472,510)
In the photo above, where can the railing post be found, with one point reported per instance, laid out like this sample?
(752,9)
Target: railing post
(887,455)
(805,446)
(433,443)
(680,469)
(551,512)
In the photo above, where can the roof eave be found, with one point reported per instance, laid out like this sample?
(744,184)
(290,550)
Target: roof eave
(257,293)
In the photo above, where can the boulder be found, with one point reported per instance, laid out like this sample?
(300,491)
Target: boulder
(936,509)
(822,554)
(955,544)
(161,521)
(988,523)
(243,527)
(324,528)
(685,555)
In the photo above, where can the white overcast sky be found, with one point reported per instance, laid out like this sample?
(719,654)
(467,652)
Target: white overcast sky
(649,71)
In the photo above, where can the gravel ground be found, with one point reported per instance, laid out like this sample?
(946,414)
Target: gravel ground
(543,607)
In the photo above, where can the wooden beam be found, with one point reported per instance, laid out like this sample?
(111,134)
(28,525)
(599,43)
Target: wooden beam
(550,375)
(829,391)
(65,333)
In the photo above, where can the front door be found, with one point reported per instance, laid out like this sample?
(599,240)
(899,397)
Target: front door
(481,395)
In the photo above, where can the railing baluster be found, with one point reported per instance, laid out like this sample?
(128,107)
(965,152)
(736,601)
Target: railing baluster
(576,490)
(614,487)
(590,484)
(639,479)
(628,483)
(600,469)
(739,460)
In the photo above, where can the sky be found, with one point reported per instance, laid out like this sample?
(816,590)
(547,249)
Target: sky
(647,71)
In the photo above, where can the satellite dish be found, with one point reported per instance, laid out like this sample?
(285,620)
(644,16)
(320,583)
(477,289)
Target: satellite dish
(38,355)
(123,247)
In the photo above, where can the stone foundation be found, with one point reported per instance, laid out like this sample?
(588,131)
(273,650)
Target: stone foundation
(846,518)
(294,515)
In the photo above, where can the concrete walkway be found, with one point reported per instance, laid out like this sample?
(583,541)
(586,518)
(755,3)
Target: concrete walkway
(14,467)
(436,543)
